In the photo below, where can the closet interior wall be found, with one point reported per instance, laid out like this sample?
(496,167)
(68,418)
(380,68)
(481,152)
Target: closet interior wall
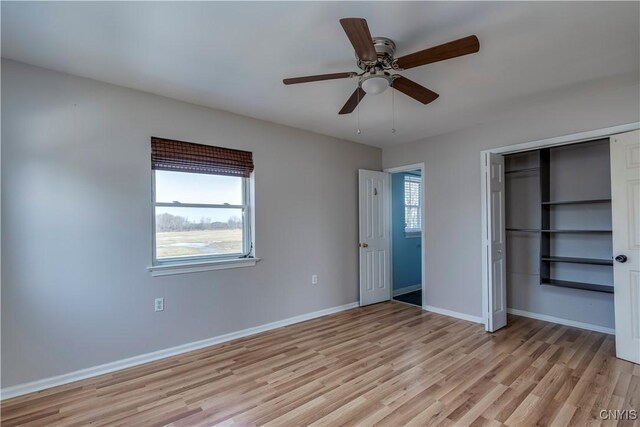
(535,180)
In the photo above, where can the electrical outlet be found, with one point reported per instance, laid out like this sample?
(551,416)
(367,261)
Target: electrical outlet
(314,279)
(159,305)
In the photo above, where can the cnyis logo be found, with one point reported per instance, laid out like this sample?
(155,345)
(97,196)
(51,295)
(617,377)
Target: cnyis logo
(619,414)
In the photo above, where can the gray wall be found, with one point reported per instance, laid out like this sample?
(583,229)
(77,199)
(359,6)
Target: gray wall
(452,176)
(76,225)
(578,172)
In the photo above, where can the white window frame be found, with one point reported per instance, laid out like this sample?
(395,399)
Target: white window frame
(412,232)
(191,264)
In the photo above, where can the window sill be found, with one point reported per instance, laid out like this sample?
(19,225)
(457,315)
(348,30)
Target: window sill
(196,267)
(412,234)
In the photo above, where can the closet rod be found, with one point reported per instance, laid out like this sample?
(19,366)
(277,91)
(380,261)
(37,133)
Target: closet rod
(523,170)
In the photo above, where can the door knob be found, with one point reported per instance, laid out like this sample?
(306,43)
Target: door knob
(621,258)
(364,245)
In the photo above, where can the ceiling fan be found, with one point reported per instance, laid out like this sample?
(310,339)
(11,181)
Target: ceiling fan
(374,56)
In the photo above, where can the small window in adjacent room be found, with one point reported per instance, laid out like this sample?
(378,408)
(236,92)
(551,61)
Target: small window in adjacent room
(412,216)
(201,202)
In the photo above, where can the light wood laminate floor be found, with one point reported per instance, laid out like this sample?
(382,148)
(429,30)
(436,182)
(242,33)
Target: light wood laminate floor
(388,364)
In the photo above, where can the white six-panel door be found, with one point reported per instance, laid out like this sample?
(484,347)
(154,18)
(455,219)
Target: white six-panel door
(625,205)
(375,222)
(494,241)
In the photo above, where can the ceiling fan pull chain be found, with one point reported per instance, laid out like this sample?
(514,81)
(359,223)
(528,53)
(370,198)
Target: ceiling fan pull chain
(393,109)
(358,112)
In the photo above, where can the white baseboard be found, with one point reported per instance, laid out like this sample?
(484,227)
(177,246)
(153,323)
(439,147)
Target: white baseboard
(561,321)
(457,315)
(407,289)
(20,389)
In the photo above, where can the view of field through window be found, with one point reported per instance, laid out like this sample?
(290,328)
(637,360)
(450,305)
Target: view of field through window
(187,231)
(176,236)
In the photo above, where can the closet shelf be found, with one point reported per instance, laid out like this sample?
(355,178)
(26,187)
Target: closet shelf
(525,230)
(573,260)
(575,231)
(578,285)
(522,170)
(577,202)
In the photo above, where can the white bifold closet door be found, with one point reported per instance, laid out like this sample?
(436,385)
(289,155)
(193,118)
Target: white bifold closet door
(494,238)
(375,233)
(625,205)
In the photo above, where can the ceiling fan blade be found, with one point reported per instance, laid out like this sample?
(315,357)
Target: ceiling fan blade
(353,101)
(318,78)
(414,90)
(358,33)
(449,50)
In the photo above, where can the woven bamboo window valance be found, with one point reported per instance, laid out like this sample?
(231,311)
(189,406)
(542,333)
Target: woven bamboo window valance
(179,156)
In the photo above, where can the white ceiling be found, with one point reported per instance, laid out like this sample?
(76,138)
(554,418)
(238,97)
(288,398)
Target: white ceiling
(234,55)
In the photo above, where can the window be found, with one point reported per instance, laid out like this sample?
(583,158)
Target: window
(201,203)
(412,216)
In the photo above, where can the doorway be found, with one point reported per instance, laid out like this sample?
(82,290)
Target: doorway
(376,233)
(406,235)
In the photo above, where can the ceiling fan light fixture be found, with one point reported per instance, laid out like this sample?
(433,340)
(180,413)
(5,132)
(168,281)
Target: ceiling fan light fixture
(373,84)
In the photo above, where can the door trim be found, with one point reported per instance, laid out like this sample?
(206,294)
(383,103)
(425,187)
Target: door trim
(517,148)
(408,168)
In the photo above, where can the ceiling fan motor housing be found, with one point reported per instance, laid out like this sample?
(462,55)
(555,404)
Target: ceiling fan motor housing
(385,49)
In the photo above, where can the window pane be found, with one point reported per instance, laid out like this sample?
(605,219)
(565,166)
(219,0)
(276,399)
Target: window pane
(412,219)
(411,191)
(188,232)
(198,188)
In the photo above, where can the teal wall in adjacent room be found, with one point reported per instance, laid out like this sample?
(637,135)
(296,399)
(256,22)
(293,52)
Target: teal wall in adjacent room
(407,268)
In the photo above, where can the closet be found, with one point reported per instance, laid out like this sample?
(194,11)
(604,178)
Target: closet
(558,232)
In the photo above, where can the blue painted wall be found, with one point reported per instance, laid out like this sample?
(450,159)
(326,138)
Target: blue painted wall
(407,268)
